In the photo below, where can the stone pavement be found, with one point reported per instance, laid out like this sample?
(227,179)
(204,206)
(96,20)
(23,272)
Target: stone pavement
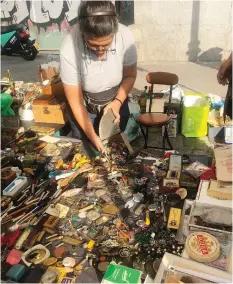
(188,146)
(193,77)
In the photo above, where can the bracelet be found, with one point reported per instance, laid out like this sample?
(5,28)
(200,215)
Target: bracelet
(118,100)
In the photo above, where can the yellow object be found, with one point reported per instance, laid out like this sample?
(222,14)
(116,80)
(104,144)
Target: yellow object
(147,222)
(174,218)
(59,164)
(90,245)
(81,162)
(61,272)
(194,115)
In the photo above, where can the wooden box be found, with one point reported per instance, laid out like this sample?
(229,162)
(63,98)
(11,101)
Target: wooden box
(56,89)
(50,113)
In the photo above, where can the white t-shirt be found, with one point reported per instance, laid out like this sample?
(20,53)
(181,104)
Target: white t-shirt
(79,66)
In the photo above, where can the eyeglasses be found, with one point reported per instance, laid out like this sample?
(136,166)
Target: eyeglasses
(100,48)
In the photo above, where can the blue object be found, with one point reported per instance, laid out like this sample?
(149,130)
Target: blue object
(218,105)
(16,272)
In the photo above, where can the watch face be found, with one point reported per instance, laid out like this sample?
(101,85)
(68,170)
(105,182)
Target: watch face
(49,277)
(35,256)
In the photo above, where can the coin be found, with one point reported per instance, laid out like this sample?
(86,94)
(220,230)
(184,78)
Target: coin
(93,215)
(102,266)
(49,261)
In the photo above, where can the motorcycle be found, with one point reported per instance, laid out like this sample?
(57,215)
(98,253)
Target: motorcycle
(15,39)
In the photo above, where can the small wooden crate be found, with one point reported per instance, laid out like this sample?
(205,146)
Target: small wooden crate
(50,113)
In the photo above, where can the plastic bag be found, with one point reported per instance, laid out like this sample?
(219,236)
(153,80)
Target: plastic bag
(194,115)
(196,169)
(177,93)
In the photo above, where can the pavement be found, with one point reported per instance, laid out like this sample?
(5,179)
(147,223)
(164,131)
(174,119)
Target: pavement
(193,78)
(196,77)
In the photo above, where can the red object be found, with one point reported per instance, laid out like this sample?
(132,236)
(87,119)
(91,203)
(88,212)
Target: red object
(209,174)
(10,238)
(202,244)
(167,155)
(14,257)
(24,34)
(102,258)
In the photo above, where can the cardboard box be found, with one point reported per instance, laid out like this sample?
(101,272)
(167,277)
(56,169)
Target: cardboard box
(50,113)
(56,89)
(223,158)
(203,196)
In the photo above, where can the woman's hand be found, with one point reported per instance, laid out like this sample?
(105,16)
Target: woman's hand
(224,72)
(98,144)
(115,105)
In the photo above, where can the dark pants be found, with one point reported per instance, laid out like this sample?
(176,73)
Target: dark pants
(228,101)
(77,131)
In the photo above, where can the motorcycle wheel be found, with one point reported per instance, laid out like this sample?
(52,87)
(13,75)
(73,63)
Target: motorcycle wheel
(31,54)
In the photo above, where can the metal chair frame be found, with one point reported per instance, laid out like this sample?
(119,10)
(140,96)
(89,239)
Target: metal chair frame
(165,135)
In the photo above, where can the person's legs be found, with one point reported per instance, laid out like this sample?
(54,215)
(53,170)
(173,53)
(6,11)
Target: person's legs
(124,113)
(77,131)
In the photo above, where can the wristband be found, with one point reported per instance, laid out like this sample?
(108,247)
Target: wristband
(118,100)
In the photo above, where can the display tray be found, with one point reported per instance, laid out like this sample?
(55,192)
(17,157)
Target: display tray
(196,269)
(195,222)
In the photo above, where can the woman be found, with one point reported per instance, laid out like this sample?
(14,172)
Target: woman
(98,69)
(224,77)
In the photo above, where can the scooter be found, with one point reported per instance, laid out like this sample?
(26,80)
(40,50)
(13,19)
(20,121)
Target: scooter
(15,39)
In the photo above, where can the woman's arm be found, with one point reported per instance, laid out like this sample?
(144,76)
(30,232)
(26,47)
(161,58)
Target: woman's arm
(129,78)
(74,96)
(225,71)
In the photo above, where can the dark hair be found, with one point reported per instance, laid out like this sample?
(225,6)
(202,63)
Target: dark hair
(98,18)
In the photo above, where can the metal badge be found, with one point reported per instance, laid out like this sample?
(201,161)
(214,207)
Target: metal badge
(93,215)
(124,252)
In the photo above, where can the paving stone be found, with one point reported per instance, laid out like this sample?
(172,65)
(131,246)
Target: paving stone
(188,142)
(202,144)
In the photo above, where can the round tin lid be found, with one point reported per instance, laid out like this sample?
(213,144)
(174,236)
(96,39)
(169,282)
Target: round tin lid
(202,247)
(182,192)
